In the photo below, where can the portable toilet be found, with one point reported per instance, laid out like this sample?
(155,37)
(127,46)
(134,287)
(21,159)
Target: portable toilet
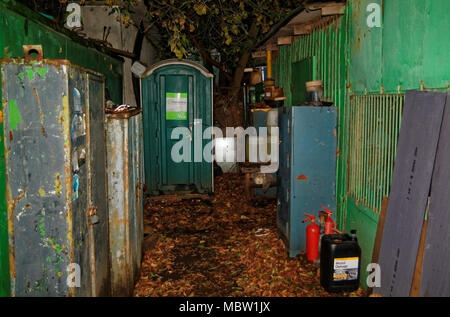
(177,105)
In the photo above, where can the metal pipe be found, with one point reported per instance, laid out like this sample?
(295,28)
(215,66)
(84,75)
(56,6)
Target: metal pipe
(269,64)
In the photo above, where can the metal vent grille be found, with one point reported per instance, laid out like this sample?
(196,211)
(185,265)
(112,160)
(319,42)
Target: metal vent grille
(373,130)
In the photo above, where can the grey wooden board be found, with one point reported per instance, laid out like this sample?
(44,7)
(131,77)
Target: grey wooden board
(436,268)
(419,135)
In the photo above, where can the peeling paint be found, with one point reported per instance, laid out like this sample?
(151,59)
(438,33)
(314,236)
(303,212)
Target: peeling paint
(58,185)
(41,192)
(30,74)
(41,71)
(41,113)
(15,118)
(42,227)
(21,77)
(12,206)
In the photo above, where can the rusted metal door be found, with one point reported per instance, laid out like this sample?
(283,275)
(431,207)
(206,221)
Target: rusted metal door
(77,94)
(50,179)
(97,205)
(125,198)
(37,190)
(136,182)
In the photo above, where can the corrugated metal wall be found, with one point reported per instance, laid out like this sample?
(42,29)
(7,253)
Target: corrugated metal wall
(327,44)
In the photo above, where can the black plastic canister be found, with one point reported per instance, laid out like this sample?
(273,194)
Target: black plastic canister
(340,263)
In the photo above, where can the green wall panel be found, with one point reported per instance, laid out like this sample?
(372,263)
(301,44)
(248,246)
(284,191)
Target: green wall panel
(410,49)
(365,221)
(365,45)
(416,44)
(27,27)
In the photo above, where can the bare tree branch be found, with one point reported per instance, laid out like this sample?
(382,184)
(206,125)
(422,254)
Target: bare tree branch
(208,57)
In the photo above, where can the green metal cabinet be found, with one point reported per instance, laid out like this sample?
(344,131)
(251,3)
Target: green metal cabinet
(177,94)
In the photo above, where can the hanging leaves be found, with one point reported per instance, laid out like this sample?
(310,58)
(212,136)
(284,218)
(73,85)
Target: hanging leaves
(215,24)
(200,9)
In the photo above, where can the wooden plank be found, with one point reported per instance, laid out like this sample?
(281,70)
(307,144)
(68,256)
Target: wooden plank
(415,287)
(259,54)
(272,47)
(436,268)
(285,40)
(306,17)
(419,135)
(337,9)
(380,228)
(321,5)
(302,29)
(379,234)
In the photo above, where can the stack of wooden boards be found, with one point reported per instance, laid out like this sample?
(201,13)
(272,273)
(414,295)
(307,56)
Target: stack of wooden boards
(420,192)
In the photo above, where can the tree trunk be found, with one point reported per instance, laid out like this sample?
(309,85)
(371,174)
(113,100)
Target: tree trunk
(229,109)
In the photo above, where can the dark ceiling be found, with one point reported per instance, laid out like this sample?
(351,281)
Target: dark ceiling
(49,7)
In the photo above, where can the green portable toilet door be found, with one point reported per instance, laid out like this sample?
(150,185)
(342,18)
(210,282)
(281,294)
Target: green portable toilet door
(177,94)
(176,102)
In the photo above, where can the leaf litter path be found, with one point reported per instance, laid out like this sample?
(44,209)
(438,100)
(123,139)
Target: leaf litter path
(226,247)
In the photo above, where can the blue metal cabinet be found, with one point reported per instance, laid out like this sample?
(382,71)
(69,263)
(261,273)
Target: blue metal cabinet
(307,173)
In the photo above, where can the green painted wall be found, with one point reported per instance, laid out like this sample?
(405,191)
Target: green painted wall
(27,27)
(409,51)
(411,47)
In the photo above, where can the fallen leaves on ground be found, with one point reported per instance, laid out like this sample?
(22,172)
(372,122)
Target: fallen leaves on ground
(225,247)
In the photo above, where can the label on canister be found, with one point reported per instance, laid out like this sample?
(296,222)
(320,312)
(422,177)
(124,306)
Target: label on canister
(346,269)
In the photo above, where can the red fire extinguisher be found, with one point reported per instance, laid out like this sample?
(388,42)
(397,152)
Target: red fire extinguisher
(329,223)
(312,238)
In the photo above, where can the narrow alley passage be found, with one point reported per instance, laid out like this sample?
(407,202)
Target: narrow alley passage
(223,247)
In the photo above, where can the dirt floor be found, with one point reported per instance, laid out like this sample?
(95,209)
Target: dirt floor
(225,247)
